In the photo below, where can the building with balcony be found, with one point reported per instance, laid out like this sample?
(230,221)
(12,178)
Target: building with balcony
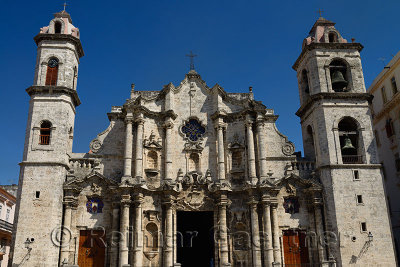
(386,123)
(7,210)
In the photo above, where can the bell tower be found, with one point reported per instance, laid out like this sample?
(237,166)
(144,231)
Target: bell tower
(48,140)
(338,135)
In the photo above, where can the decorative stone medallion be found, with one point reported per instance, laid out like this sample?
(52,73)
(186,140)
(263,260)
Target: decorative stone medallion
(288,149)
(193,130)
(95,145)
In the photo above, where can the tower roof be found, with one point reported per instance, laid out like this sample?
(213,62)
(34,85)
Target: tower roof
(63,14)
(321,22)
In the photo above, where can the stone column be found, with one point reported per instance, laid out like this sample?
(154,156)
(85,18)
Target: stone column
(169,234)
(268,248)
(251,153)
(124,231)
(275,232)
(66,233)
(319,229)
(262,151)
(114,234)
(255,233)
(128,149)
(139,151)
(168,149)
(138,242)
(224,250)
(221,151)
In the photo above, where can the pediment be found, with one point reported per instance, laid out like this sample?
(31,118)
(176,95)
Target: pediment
(95,180)
(294,181)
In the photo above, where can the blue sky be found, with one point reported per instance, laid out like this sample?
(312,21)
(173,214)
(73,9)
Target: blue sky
(239,44)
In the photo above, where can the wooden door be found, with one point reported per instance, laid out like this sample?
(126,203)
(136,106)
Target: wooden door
(295,249)
(91,248)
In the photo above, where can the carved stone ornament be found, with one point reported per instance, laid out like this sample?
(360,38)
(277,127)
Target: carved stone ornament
(288,149)
(151,142)
(192,199)
(95,145)
(96,189)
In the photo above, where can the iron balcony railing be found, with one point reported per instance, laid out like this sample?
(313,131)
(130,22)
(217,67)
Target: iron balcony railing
(352,159)
(4,225)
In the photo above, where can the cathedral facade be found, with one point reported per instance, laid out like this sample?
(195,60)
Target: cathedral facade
(191,175)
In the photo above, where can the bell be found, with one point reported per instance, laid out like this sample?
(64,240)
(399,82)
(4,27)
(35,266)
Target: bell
(338,81)
(347,144)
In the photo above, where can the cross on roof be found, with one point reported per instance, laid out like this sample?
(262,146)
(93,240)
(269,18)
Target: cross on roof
(65,5)
(320,12)
(192,56)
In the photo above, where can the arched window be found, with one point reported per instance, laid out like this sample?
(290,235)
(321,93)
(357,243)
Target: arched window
(389,128)
(194,162)
(332,37)
(74,78)
(152,160)
(304,81)
(349,141)
(339,79)
(52,72)
(57,27)
(236,160)
(309,149)
(45,133)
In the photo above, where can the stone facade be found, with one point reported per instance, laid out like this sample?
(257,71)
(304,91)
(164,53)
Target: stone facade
(194,149)
(386,124)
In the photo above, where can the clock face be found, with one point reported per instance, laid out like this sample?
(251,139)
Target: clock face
(53,63)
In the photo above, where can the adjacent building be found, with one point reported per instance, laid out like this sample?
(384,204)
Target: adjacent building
(192,174)
(386,120)
(7,210)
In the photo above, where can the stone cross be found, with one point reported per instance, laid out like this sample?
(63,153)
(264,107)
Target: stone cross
(192,56)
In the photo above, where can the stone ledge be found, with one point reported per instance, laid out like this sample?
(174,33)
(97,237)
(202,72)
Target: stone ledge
(36,89)
(332,96)
(312,46)
(60,37)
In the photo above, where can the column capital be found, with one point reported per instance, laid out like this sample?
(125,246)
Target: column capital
(317,202)
(249,123)
(138,199)
(220,125)
(266,200)
(125,200)
(223,201)
(128,119)
(274,202)
(139,121)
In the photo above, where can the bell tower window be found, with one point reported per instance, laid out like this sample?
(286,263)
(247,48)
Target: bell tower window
(52,72)
(45,132)
(338,71)
(349,141)
(332,37)
(57,27)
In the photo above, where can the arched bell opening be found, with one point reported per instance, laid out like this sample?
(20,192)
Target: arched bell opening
(57,27)
(339,76)
(309,148)
(333,38)
(350,141)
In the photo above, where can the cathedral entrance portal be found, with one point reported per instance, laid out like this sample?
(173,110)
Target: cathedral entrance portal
(295,248)
(92,248)
(195,238)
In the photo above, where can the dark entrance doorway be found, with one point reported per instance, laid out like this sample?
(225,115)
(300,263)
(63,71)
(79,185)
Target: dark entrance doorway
(195,238)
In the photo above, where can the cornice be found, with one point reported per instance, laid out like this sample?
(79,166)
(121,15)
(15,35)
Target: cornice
(36,89)
(60,37)
(332,96)
(312,46)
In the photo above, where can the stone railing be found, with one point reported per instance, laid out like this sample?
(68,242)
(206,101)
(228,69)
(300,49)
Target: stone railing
(76,163)
(303,165)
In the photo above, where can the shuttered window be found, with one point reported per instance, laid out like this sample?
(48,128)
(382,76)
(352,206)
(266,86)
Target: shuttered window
(52,72)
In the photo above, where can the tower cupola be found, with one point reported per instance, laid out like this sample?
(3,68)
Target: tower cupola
(323,31)
(61,24)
